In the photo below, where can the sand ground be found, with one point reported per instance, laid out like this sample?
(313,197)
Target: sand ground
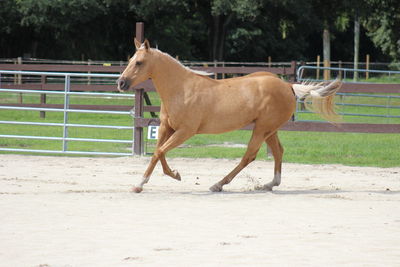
(70,211)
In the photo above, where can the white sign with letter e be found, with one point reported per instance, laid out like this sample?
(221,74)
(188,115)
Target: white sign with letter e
(152,132)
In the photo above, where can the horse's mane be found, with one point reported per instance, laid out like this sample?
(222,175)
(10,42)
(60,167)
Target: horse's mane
(198,72)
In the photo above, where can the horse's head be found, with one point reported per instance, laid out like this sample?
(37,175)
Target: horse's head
(138,69)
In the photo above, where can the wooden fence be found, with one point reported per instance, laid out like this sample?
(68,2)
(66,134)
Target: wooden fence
(143,104)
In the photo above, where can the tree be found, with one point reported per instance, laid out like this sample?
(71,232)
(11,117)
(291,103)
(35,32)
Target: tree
(11,31)
(383,24)
(357,11)
(174,26)
(69,28)
(236,30)
(281,30)
(184,23)
(327,12)
(223,13)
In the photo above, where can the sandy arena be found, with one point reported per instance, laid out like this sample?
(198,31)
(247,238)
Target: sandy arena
(72,211)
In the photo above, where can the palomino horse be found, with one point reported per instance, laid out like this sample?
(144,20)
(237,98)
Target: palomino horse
(193,103)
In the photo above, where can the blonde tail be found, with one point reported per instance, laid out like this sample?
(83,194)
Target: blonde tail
(319,98)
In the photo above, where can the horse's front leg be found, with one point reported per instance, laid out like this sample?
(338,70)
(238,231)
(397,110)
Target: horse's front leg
(164,133)
(146,177)
(177,138)
(167,170)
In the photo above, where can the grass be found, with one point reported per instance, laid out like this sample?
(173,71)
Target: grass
(381,150)
(314,147)
(302,147)
(376,78)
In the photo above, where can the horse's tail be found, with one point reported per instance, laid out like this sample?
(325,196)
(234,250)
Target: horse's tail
(319,98)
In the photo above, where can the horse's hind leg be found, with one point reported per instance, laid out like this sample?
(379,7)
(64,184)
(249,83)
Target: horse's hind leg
(254,145)
(277,151)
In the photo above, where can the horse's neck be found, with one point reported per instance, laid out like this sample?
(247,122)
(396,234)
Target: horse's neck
(168,77)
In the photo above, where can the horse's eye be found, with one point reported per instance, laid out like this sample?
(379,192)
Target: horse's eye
(138,63)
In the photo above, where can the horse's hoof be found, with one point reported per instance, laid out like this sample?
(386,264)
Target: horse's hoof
(267,187)
(216,188)
(137,189)
(177,176)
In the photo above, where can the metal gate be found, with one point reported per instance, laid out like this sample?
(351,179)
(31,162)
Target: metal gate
(65,125)
(364,101)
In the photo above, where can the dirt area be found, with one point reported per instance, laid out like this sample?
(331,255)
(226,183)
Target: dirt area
(70,211)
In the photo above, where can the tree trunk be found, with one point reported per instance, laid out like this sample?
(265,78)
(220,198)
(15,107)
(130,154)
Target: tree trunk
(219,31)
(326,42)
(35,45)
(326,38)
(215,36)
(356,45)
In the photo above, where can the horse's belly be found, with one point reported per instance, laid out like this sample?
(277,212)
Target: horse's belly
(216,126)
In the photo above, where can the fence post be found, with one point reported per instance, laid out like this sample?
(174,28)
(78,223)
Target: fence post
(215,65)
(138,138)
(43,97)
(67,88)
(138,130)
(293,66)
(19,80)
(89,81)
(327,72)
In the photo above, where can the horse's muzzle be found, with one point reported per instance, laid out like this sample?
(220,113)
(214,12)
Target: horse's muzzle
(123,84)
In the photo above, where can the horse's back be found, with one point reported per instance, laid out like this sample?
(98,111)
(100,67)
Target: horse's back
(276,95)
(237,102)
(264,84)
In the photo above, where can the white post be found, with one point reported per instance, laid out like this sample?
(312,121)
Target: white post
(67,87)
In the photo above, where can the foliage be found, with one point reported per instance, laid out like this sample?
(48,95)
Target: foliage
(383,24)
(240,30)
(69,28)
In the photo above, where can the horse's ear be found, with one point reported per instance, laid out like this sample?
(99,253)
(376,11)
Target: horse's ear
(146,44)
(137,44)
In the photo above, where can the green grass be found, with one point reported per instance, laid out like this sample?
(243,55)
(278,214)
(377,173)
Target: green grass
(376,78)
(381,150)
(355,149)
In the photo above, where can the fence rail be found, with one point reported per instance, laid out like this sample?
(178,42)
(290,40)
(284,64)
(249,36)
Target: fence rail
(66,108)
(348,89)
(351,83)
(43,86)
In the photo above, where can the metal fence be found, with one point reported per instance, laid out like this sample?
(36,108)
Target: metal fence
(314,73)
(380,113)
(65,125)
(379,106)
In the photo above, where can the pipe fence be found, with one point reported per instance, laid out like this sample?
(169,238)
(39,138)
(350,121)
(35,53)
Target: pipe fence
(370,98)
(66,110)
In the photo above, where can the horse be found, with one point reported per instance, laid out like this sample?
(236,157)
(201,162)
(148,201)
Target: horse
(193,103)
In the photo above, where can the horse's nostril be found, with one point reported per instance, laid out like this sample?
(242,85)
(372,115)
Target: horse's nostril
(121,84)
